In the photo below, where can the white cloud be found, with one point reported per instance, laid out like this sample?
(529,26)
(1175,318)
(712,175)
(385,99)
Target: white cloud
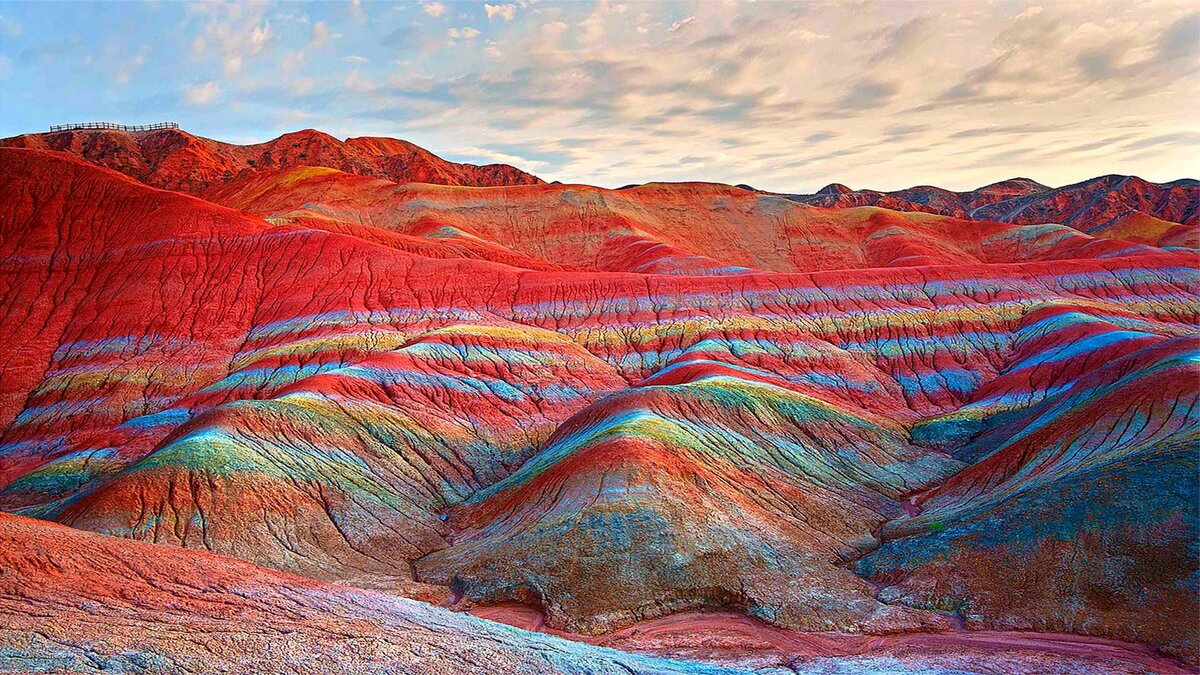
(1030,12)
(291,62)
(951,95)
(202,93)
(497,156)
(643,23)
(123,73)
(232,34)
(506,12)
(302,86)
(680,25)
(259,38)
(357,83)
(320,34)
(6,67)
(805,35)
(10,27)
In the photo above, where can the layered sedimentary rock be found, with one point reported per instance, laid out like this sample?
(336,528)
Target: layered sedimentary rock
(654,228)
(132,607)
(706,489)
(1117,207)
(72,601)
(1086,502)
(609,405)
(176,160)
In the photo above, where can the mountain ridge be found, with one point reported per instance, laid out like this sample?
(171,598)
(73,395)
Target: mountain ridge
(175,159)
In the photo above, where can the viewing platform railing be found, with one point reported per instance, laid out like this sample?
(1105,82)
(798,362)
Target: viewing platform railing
(115,127)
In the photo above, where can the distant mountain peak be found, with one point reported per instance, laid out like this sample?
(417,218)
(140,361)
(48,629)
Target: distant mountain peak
(1019,183)
(834,189)
(177,160)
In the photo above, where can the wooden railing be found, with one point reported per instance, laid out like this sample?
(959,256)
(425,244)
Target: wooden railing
(115,127)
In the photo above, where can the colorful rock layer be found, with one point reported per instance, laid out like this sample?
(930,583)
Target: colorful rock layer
(72,601)
(1116,207)
(176,160)
(609,406)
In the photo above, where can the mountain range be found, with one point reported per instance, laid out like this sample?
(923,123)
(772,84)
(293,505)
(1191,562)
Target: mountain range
(299,393)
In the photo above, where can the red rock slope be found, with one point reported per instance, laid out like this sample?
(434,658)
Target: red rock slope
(177,160)
(659,228)
(71,601)
(474,392)
(1121,207)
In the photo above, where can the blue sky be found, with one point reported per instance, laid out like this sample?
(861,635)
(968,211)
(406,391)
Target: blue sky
(783,96)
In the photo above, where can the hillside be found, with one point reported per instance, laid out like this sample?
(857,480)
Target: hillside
(600,408)
(655,228)
(176,160)
(1120,207)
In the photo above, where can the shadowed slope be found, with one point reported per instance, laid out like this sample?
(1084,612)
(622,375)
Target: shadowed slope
(1087,502)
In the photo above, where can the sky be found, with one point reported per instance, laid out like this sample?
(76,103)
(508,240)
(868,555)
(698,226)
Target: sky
(784,96)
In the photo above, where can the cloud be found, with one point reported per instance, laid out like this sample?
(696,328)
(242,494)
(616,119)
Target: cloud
(974,86)
(302,86)
(506,12)
(904,39)
(358,12)
(10,27)
(643,23)
(680,25)
(1091,146)
(867,94)
(358,84)
(805,35)
(1100,63)
(1030,12)
(1004,130)
(900,132)
(1184,138)
(231,35)
(291,62)
(784,96)
(514,156)
(125,71)
(320,34)
(259,37)
(202,93)
(1181,40)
